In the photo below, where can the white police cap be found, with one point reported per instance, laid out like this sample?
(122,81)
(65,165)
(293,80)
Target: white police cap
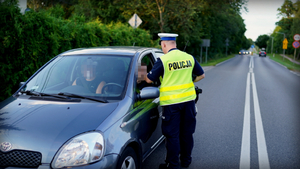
(167,36)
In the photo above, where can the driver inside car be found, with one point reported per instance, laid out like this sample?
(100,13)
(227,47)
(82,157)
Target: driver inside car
(142,73)
(89,79)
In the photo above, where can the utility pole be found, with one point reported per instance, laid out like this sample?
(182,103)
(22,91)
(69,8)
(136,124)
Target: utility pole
(227,40)
(272,45)
(283,39)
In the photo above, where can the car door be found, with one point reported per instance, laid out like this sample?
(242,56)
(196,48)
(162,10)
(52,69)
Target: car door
(148,110)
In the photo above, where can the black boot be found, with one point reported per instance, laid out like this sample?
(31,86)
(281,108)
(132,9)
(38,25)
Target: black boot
(185,165)
(164,166)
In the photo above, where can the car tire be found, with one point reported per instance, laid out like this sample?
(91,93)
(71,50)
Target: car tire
(128,160)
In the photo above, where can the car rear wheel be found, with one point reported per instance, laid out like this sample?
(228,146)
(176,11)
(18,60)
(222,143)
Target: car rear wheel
(128,160)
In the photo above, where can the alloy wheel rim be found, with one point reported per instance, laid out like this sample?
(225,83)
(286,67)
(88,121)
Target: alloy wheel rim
(128,163)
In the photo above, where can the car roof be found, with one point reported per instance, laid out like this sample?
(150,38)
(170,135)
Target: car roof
(109,50)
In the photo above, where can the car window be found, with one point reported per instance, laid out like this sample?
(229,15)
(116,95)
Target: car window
(147,60)
(159,54)
(96,76)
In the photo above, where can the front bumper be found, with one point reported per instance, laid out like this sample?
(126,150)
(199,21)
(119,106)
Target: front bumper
(108,161)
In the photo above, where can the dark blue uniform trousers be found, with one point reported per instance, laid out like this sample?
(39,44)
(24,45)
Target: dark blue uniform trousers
(178,126)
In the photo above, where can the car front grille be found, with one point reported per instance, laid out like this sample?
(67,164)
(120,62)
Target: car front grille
(18,158)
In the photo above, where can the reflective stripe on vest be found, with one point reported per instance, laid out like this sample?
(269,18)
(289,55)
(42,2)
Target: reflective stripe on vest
(177,85)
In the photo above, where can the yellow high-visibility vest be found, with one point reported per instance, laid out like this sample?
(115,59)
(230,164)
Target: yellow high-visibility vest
(177,85)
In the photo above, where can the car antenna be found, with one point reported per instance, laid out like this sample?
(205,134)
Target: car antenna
(133,43)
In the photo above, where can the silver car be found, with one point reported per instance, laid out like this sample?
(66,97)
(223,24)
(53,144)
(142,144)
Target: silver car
(83,109)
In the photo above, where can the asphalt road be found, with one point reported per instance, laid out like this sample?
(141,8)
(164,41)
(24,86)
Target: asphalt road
(248,117)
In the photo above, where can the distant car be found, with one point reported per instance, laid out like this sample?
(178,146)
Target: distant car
(243,52)
(50,122)
(263,53)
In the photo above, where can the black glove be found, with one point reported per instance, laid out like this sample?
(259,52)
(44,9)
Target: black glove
(198,91)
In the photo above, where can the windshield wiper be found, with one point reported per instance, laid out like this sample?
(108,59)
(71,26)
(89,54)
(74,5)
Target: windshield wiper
(39,94)
(28,92)
(82,97)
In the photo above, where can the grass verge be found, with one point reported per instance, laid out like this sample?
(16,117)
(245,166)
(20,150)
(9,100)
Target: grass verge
(214,62)
(277,58)
(285,62)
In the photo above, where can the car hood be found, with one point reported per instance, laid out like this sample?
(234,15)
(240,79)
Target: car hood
(44,126)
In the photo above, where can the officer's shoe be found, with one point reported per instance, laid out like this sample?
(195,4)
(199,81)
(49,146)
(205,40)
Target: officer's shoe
(185,165)
(164,166)
(167,166)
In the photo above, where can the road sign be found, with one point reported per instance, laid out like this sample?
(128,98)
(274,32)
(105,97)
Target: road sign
(296,37)
(284,46)
(205,43)
(252,46)
(227,40)
(296,44)
(135,21)
(285,43)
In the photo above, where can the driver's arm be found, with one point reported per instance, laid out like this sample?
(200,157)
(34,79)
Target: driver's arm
(100,86)
(74,83)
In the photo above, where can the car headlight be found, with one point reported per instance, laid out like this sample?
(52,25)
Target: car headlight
(80,150)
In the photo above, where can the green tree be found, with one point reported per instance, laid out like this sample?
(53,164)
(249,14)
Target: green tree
(261,41)
(250,41)
(289,23)
(295,28)
(277,41)
(193,20)
(287,9)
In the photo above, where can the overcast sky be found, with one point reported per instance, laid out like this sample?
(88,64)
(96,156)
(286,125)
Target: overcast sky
(261,17)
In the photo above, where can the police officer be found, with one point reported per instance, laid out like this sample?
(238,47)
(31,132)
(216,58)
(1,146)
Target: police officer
(177,97)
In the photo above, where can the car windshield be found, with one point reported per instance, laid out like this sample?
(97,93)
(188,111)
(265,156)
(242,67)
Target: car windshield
(90,75)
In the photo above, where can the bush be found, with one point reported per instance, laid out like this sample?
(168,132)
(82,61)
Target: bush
(29,41)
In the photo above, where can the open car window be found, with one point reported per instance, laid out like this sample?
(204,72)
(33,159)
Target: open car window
(147,60)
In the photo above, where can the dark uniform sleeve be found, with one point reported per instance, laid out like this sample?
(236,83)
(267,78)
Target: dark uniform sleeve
(157,71)
(198,71)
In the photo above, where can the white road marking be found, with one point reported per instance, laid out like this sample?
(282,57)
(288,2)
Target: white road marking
(245,149)
(263,158)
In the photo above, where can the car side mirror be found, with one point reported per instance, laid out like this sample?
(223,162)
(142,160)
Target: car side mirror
(148,93)
(21,84)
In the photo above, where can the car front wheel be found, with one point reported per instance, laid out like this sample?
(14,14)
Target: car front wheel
(128,160)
